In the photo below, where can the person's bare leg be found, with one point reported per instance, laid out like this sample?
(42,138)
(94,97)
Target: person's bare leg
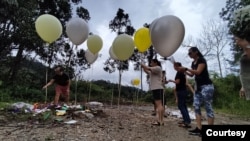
(190,88)
(163,102)
(198,120)
(155,108)
(56,99)
(154,113)
(67,99)
(160,110)
(210,121)
(66,96)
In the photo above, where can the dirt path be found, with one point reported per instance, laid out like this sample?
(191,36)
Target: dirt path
(126,123)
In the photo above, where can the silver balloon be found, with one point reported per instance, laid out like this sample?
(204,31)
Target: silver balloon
(77,30)
(111,53)
(152,24)
(90,57)
(167,34)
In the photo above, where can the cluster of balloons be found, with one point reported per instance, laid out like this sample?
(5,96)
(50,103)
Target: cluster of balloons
(49,28)
(123,45)
(94,44)
(165,34)
(135,82)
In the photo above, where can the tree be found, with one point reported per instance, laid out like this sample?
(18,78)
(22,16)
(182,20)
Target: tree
(16,32)
(19,40)
(121,24)
(227,14)
(212,41)
(17,18)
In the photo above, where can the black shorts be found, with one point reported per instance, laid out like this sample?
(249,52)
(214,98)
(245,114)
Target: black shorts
(158,95)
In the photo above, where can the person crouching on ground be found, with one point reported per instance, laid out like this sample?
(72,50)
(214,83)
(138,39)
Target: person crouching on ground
(62,82)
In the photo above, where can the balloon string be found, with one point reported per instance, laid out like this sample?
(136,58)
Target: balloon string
(75,89)
(119,89)
(137,93)
(90,84)
(46,75)
(46,90)
(75,80)
(164,89)
(70,56)
(119,86)
(112,95)
(141,69)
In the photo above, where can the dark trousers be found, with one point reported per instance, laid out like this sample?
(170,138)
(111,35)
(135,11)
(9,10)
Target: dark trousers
(181,97)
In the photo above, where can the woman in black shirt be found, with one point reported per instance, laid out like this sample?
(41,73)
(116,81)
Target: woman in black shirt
(204,89)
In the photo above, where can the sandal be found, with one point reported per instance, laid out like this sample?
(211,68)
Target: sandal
(181,122)
(185,125)
(157,123)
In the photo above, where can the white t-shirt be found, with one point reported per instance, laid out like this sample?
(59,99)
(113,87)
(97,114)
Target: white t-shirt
(155,78)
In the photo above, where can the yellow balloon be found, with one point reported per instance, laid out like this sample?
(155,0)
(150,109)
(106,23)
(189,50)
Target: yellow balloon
(142,39)
(136,82)
(48,27)
(123,47)
(94,43)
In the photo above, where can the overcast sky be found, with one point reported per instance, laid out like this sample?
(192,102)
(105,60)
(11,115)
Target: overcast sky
(192,13)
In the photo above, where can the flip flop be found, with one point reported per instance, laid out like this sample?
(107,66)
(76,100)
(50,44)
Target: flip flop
(157,124)
(185,125)
(181,122)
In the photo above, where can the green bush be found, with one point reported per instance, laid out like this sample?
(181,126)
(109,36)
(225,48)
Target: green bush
(5,95)
(226,95)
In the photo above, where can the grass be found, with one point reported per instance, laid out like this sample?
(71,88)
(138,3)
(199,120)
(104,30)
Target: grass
(4,104)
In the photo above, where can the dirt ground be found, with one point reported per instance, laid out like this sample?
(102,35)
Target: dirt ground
(123,123)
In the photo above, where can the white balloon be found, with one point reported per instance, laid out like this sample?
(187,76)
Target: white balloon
(90,57)
(167,34)
(77,30)
(111,53)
